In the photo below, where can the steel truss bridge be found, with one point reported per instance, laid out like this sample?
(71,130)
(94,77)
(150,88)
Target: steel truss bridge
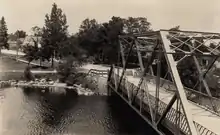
(164,101)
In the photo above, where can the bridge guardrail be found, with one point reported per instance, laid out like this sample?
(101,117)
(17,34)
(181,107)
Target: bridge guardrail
(192,95)
(171,115)
(204,100)
(98,72)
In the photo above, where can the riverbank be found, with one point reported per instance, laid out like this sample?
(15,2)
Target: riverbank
(81,77)
(20,56)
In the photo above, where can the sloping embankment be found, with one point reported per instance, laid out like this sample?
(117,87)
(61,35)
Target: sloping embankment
(94,82)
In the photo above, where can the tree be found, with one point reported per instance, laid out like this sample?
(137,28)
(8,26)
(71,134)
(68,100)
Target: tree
(37,31)
(3,34)
(54,33)
(12,37)
(101,40)
(30,52)
(20,34)
(27,74)
(137,25)
(88,36)
(33,48)
(114,29)
(176,28)
(71,47)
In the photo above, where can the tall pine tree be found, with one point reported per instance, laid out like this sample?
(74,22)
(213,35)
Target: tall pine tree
(3,34)
(54,33)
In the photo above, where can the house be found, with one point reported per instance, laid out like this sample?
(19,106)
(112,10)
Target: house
(13,45)
(29,40)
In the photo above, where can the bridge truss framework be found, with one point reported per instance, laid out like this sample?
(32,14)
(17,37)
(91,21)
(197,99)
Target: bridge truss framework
(175,47)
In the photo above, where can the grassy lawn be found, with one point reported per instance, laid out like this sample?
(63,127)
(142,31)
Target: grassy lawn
(9,64)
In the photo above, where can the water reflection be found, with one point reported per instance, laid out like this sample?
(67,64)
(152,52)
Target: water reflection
(28,112)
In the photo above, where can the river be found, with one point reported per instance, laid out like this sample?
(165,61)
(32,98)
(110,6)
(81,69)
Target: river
(25,112)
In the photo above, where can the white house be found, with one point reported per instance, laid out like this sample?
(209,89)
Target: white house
(29,40)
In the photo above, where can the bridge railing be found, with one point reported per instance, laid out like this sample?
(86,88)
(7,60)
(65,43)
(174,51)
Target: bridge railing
(171,115)
(192,95)
(207,102)
(93,72)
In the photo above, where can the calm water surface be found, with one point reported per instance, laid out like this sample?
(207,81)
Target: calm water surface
(27,112)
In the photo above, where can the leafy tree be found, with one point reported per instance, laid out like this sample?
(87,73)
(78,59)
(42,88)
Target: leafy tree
(66,69)
(88,36)
(114,29)
(71,48)
(33,48)
(20,34)
(37,31)
(30,53)
(101,40)
(176,28)
(137,25)
(27,74)
(3,34)
(54,33)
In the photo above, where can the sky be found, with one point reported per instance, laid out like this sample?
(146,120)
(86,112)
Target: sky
(194,15)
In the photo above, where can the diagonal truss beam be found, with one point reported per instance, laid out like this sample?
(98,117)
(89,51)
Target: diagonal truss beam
(210,66)
(150,61)
(201,79)
(125,63)
(167,109)
(139,56)
(144,70)
(180,89)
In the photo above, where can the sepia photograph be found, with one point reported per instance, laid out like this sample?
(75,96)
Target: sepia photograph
(109,67)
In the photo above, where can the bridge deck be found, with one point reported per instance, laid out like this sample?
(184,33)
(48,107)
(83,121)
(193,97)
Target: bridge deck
(204,117)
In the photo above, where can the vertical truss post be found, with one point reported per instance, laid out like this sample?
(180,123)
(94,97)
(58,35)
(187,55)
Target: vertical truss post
(118,64)
(178,117)
(177,81)
(142,69)
(139,56)
(122,54)
(157,83)
(110,73)
(141,100)
(116,86)
(167,73)
(126,63)
(143,81)
(146,69)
